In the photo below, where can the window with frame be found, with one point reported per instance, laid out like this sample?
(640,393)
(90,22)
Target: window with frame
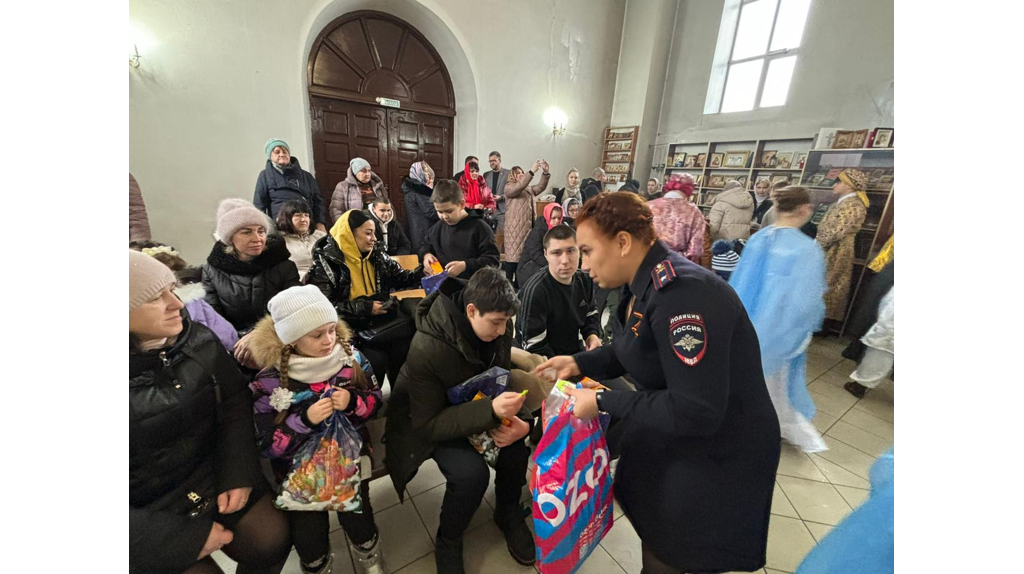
(757,50)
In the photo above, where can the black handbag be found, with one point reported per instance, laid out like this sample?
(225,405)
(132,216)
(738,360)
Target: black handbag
(397,324)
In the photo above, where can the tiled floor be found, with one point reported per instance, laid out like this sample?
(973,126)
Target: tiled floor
(812,493)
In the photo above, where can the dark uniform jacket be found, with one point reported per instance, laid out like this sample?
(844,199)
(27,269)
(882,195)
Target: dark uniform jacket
(240,290)
(444,352)
(701,441)
(190,432)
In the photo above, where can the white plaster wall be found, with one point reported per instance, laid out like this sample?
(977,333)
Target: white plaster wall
(219,78)
(843,77)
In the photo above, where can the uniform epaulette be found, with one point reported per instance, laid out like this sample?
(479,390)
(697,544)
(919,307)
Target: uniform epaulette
(663,274)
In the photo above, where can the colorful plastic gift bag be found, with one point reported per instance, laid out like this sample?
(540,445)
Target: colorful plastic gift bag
(571,485)
(489,383)
(325,475)
(433,282)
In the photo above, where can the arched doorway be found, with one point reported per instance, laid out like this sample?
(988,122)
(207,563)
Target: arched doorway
(356,59)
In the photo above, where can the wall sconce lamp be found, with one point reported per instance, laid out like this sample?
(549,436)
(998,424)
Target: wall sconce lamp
(134,60)
(557,119)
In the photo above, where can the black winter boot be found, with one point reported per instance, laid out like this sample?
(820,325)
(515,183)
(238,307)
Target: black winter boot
(518,537)
(448,556)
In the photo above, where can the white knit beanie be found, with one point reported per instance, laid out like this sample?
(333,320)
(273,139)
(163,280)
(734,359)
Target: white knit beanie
(298,310)
(234,214)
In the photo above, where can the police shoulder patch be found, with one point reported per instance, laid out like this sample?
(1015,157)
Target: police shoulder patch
(663,274)
(689,337)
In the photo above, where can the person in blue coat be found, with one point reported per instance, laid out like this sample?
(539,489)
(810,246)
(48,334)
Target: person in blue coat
(283,179)
(781,281)
(700,442)
(865,541)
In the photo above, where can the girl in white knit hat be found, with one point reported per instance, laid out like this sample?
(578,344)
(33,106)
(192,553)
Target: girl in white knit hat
(302,346)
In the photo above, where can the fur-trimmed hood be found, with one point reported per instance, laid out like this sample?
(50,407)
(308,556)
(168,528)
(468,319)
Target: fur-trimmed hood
(266,346)
(191,292)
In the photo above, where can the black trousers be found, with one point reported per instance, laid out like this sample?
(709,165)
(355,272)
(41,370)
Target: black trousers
(386,358)
(467,475)
(311,530)
(509,267)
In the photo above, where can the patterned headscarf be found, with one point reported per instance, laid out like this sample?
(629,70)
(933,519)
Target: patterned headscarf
(417,173)
(680,182)
(858,180)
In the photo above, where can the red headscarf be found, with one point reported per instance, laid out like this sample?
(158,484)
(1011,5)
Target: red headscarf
(548,210)
(471,187)
(681,182)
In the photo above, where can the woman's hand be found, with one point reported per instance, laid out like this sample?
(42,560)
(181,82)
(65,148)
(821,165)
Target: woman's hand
(233,500)
(536,166)
(428,261)
(586,402)
(478,206)
(564,367)
(506,435)
(321,227)
(378,308)
(593,342)
(242,353)
(320,410)
(219,536)
(340,398)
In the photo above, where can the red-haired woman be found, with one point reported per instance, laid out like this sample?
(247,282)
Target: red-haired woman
(701,441)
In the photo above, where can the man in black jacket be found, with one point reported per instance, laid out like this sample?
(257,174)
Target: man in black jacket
(593,185)
(389,233)
(283,179)
(462,331)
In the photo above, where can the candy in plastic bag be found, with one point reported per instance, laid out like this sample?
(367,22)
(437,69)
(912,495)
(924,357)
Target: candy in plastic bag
(489,383)
(325,474)
(433,282)
(571,486)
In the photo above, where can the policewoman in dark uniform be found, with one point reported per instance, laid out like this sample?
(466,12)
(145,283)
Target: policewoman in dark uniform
(701,442)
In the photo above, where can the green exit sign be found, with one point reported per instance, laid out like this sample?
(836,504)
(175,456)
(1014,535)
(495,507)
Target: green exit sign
(388,102)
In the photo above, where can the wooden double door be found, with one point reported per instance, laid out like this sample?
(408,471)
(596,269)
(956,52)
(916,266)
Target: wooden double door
(390,139)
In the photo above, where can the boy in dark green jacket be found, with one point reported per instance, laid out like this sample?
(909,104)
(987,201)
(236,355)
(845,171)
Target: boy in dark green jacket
(462,330)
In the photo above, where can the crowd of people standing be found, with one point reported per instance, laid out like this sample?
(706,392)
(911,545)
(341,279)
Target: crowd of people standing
(297,299)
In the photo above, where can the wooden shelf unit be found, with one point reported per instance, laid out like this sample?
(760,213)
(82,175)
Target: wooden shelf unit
(614,156)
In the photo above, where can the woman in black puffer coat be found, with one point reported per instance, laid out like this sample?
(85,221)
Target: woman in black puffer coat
(352,245)
(194,482)
(246,267)
(419,212)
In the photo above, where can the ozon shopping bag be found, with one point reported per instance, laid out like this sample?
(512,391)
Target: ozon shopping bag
(571,486)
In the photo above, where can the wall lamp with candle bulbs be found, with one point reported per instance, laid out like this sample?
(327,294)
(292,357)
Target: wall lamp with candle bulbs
(557,119)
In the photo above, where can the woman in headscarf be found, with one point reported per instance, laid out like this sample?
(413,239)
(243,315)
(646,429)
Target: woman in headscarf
(836,235)
(358,278)
(678,222)
(533,259)
(478,195)
(520,198)
(358,189)
(570,209)
(572,188)
(781,281)
(419,212)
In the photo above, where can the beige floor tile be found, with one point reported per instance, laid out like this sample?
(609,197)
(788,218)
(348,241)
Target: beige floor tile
(428,505)
(828,404)
(781,504)
(838,475)
(623,545)
(815,501)
(794,462)
(424,565)
(877,404)
(859,439)
(484,551)
(869,422)
(382,493)
(759,571)
(853,496)
(823,421)
(428,476)
(818,531)
(770,571)
(600,562)
(617,510)
(836,394)
(847,457)
(403,535)
(836,377)
(788,542)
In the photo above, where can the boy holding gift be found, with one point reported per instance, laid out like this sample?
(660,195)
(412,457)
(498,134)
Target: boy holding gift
(462,330)
(461,242)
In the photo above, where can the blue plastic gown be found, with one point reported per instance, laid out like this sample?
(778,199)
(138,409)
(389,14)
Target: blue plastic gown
(781,281)
(865,541)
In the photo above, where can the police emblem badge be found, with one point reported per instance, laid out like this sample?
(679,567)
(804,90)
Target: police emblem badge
(689,338)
